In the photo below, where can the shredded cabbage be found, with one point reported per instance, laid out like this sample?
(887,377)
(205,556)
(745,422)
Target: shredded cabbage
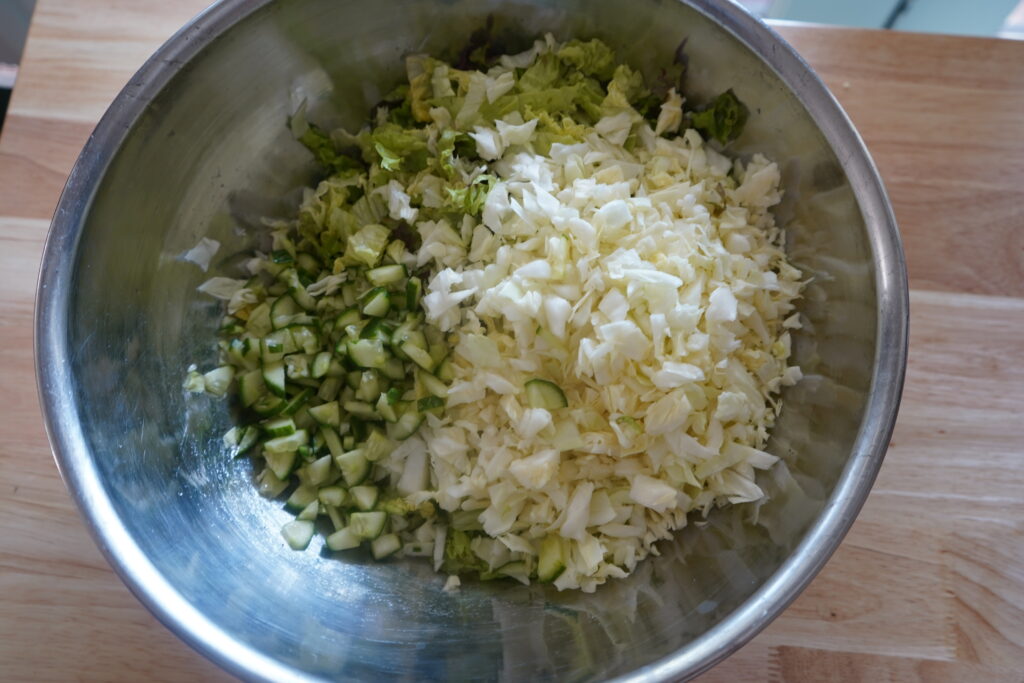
(642,274)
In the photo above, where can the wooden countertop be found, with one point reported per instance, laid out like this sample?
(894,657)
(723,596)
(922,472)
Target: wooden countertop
(929,584)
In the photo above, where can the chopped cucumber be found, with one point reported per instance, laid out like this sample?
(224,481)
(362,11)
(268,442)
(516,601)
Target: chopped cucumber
(319,471)
(541,393)
(417,355)
(301,497)
(286,444)
(385,546)
(335,378)
(367,525)
(343,539)
(551,559)
(386,275)
(273,376)
(251,387)
(354,467)
(310,512)
(298,534)
(406,426)
(367,353)
(376,302)
(218,380)
(364,497)
(333,495)
(327,414)
(281,464)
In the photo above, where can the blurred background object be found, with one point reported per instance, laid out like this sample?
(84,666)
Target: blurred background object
(992,18)
(14,18)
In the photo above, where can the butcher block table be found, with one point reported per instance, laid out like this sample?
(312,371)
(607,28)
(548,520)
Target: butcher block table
(928,585)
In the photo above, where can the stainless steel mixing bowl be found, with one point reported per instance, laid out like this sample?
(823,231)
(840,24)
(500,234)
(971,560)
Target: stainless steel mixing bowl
(196,145)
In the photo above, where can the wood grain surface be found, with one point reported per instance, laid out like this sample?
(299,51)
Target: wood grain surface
(929,584)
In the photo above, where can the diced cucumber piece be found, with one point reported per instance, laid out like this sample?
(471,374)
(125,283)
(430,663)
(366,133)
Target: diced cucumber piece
(301,497)
(438,352)
(369,386)
(336,520)
(304,338)
(352,379)
(218,380)
(281,426)
(282,310)
(321,364)
(275,345)
(259,323)
(354,467)
(333,495)
(307,264)
(551,559)
(431,404)
(350,316)
(298,534)
(540,393)
(432,384)
(361,409)
(386,275)
(302,298)
(296,366)
(385,546)
(327,414)
(393,369)
(343,539)
(377,329)
(281,464)
(364,497)
(367,353)
(408,332)
(273,376)
(367,525)
(329,389)
(445,372)
(332,440)
(271,485)
(251,387)
(385,409)
(377,446)
(286,444)
(297,401)
(247,439)
(268,405)
(310,512)
(413,293)
(418,355)
(319,470)
(406,426)
(376,302)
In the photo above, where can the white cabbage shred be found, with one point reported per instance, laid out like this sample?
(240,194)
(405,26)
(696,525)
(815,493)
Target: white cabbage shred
(650,285)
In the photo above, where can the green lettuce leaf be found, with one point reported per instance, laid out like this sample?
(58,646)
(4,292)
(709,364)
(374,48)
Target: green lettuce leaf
(470,199)
(723,119)
(459,558)
(399,148)
(592,58)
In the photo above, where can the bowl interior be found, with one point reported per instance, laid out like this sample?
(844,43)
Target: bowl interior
(211,154)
